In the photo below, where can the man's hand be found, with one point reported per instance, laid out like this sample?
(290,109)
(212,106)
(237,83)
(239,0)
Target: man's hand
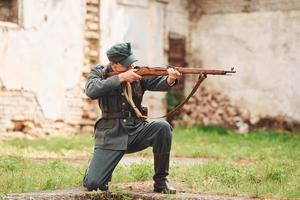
(129,76)
(173,75)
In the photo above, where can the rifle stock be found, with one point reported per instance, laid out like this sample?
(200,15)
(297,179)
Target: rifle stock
(161,71)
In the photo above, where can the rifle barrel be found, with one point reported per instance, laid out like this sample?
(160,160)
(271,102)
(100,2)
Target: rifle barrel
(204,71)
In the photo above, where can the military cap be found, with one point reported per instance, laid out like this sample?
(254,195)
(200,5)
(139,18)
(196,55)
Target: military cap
(121,53)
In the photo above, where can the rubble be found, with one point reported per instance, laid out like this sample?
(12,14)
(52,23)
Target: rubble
(210,107)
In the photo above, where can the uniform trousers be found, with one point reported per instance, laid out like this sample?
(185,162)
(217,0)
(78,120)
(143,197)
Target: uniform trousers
(157,134)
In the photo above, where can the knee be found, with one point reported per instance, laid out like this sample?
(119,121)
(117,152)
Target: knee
(92,184)
(165,126)
(165,129)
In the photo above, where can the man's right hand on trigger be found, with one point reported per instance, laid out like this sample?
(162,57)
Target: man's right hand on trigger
(129,76)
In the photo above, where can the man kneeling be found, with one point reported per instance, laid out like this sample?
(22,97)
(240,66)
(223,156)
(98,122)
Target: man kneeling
(120,130)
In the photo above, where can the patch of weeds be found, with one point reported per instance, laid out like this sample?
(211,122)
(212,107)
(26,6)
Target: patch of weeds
(213,129)
(135,172)
(20,175)
(119,193)
(230,175)
(142,171)
(11,163)
(108,195)
(121,174)
(275,175)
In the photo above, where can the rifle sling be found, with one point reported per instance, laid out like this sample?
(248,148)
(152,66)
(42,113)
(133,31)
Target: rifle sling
(128,95)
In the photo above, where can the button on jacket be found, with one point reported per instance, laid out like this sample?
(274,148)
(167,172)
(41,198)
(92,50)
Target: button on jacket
(113,133)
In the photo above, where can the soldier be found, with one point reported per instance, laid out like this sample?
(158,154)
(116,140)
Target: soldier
(120,131)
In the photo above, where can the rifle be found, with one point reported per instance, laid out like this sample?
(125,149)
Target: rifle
(160,71)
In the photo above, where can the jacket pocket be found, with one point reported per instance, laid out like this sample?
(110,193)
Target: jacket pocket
(102,127)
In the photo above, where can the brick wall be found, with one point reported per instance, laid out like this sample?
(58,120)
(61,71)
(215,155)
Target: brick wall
(21,113)
(90,109)
(81,110)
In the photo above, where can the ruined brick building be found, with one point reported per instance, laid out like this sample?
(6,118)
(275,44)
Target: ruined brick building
(48,47)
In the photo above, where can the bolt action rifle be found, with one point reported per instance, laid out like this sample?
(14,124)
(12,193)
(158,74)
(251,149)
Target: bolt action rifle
(160,71)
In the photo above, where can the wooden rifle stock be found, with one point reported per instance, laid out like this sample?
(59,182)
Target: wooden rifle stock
(161,71)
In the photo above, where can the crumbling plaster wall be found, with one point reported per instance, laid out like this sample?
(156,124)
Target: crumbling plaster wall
(43,57)
(177,21)
(261,40)
(44,54)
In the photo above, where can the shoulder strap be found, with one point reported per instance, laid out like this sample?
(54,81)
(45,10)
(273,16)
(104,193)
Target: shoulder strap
(128,95)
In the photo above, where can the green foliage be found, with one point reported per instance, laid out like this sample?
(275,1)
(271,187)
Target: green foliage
(174,97)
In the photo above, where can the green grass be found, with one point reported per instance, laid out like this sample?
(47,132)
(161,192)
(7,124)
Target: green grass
(202,141)
(259,164)
(21,175)
(80,145)
(56,144)
(135,172)
(263,179)
(216,142)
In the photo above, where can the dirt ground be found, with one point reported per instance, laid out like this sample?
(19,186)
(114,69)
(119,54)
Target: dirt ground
(126,191)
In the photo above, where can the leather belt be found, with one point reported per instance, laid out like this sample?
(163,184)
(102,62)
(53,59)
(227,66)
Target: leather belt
(118,115)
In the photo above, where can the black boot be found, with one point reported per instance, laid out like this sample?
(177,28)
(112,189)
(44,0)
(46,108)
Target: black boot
(161,168)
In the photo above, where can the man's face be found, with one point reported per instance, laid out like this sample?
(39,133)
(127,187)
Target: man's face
(117,67)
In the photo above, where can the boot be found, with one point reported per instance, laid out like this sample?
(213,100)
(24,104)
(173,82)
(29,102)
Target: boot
(161,168)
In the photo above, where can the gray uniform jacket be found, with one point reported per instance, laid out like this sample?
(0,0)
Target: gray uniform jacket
(113,133)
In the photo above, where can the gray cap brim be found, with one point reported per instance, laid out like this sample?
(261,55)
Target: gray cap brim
(128,61)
